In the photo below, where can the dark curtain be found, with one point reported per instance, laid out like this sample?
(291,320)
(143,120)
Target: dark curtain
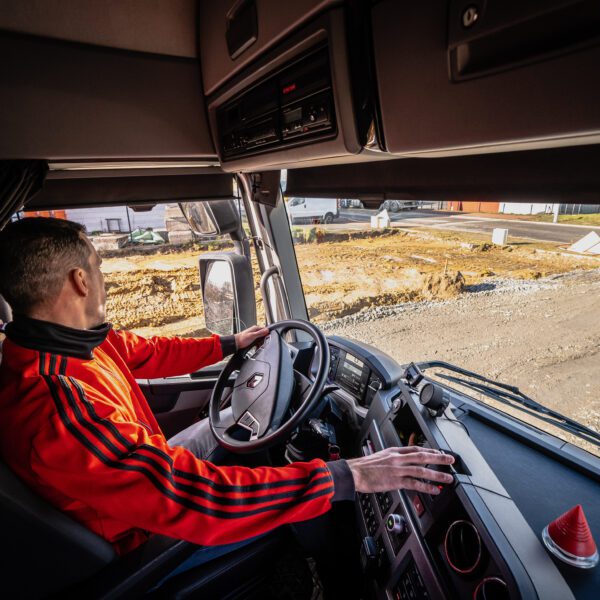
(19,181)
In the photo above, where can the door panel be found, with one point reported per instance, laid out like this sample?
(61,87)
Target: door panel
(177,402)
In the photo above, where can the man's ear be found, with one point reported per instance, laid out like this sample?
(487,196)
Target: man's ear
(79,280)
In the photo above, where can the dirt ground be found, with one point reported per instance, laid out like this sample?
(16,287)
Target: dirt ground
(542,336)
(341,278)
(526,314)
(342,275)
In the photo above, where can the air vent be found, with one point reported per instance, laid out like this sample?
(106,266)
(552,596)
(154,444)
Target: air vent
(463,547)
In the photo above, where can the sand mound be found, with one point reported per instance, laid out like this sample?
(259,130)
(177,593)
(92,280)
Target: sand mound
(443,286)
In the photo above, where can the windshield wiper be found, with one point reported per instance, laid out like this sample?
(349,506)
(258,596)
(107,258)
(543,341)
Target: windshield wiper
(513,396)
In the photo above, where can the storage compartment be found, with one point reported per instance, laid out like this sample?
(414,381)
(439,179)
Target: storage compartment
(64,101)
(291,104)
(472,76)
(233,34)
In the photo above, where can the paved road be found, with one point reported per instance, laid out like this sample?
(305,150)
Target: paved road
(547,232)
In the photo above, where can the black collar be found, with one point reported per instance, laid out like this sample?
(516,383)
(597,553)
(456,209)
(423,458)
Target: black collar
(58,339)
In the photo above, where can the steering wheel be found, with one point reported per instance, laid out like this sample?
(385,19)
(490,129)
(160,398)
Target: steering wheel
(263,389)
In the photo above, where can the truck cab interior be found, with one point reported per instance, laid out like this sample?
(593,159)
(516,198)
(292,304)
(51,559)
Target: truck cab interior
(190,101)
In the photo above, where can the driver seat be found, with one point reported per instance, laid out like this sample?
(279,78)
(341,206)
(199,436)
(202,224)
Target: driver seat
(47,554)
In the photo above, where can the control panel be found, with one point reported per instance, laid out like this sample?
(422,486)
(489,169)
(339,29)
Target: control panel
(470,540)
(292,106)
(446,545)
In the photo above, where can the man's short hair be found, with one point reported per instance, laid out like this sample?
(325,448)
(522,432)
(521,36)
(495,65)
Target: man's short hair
(36,255)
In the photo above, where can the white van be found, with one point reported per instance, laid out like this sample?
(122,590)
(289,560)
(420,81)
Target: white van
(322,210)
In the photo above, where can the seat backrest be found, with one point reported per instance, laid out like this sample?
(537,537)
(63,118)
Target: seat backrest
(44,550)
(5,310)
(5,317)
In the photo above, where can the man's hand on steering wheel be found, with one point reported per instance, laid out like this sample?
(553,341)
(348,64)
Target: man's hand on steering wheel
(246,338)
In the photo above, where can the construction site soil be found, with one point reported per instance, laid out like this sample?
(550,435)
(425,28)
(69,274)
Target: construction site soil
(526,313)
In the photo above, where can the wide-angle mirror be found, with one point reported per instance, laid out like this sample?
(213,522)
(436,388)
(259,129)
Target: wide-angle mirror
(227,292)
(215,217)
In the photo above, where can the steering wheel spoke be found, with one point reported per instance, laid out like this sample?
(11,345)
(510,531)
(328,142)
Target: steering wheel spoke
(265,386)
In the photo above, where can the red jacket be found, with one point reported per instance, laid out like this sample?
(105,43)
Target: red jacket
(76,428)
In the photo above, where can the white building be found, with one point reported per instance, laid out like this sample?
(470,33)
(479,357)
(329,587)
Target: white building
(526,208)
(115,219)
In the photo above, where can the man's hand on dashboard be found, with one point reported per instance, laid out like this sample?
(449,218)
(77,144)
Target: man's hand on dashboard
(400,468)
(245,338)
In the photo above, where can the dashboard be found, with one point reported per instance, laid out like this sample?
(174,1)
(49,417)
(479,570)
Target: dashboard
(471,540)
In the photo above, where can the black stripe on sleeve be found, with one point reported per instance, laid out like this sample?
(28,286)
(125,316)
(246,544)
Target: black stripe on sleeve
(42,362)
(52,367)
(194,477)
(296,495)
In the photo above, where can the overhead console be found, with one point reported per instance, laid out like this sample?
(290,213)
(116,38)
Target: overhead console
(466,76)
(273,100)
(292,107)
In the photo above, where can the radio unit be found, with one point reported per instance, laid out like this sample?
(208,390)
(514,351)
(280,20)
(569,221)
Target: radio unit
(291,107)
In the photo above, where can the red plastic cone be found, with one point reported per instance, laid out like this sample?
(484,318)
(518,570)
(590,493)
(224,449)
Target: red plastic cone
(569,538)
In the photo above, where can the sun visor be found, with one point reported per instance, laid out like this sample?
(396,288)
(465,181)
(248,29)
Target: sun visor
(66,101)
(130,190)
(566,175)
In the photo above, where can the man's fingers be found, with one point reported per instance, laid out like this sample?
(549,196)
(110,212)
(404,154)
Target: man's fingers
(255,331)
(421,486)
(425,473)
(409,449)
(399,468)
(422,456)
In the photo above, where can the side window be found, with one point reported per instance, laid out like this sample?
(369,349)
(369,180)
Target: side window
(150,267)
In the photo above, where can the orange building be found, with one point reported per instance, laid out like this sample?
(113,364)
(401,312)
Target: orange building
(58,214)
(474,206)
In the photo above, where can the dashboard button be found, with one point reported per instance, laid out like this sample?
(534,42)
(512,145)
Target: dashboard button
(396,524)
(418,505)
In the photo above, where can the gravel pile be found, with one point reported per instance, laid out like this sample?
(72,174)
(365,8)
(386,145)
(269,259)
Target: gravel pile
(492,287)
(541,335)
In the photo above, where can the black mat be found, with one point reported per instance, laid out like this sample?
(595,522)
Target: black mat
(543,489)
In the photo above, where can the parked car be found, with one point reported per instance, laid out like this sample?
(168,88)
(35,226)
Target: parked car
(398,205)
(351,203)
(322,210)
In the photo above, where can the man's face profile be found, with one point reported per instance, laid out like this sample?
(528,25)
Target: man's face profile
(96,299)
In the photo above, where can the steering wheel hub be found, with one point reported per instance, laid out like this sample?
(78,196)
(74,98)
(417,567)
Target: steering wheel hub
(264,387)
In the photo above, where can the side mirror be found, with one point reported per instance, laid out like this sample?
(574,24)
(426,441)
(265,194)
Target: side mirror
(227,292)
(211,217)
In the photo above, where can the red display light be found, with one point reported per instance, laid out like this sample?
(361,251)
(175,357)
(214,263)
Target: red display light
(288,88)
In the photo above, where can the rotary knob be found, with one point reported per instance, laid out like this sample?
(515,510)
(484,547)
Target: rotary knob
(396,524)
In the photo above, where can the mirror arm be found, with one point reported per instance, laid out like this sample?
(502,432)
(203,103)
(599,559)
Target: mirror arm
(241,244)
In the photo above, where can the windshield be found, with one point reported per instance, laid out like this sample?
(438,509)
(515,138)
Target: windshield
(493,287)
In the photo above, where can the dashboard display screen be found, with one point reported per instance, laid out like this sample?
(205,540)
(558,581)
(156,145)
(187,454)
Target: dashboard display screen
(352,374)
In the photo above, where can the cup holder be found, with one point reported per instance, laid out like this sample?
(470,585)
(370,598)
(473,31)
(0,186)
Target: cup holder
(463,547)
(491,588)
